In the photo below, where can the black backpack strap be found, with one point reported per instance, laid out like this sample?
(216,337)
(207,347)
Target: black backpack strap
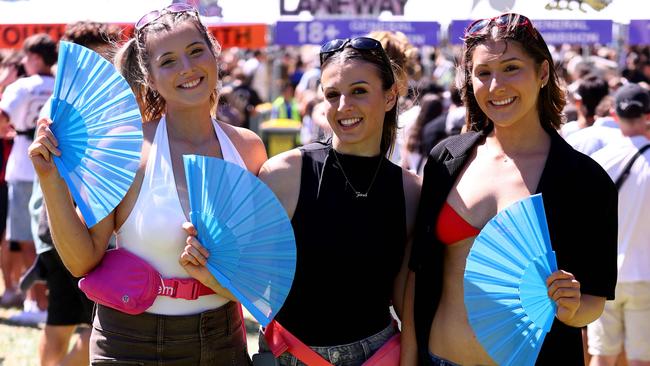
(626,171)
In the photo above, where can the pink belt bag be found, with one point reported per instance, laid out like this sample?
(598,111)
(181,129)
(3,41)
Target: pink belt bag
(281,340)
(125,282)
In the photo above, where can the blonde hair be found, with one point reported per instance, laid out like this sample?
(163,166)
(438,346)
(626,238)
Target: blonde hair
(401,52)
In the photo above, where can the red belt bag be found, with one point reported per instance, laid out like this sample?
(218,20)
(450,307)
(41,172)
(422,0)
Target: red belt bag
(281,340)
(125,282)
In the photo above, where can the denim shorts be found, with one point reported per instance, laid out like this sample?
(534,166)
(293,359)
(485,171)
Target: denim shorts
(18,219)
(214,337)
(438,361)
(352,354)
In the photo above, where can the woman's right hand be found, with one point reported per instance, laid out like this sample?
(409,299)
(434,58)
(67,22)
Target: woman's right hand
(42,149)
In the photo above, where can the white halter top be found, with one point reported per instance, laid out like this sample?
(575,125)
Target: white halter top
(153,228)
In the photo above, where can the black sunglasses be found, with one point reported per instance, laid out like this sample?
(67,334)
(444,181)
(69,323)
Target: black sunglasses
(359,43)
(156,14)
(501,21)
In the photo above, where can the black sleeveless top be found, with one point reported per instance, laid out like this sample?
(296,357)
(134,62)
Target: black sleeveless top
(349,249)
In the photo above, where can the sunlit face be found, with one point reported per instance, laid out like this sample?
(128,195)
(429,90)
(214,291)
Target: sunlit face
(506,82)
(355,104)
(33,63)
(182,68)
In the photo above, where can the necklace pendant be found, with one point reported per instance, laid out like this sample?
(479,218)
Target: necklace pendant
(361,195)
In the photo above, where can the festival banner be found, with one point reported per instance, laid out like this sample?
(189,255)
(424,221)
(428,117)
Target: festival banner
(639,32)
(554,31)
(319,31)
(228,35)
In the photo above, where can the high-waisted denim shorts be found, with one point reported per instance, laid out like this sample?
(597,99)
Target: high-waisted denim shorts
(214,337)
(352,354)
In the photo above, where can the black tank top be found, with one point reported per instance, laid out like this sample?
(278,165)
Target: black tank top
(349,249)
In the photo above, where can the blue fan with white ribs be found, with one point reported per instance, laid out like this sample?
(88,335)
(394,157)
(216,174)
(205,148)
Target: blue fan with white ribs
(246,230)
(505,283)
(98,125)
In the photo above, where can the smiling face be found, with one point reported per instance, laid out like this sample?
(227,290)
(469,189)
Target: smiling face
(182,68)
(506,82)
(356,104)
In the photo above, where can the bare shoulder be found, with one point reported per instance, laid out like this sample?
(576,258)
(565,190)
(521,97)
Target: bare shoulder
(248,144)
(282,174)
(412,186)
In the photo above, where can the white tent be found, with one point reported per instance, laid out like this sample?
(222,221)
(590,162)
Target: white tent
(268,11)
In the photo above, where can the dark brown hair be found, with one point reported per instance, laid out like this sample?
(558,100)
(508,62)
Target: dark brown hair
(551,98)
(43,45)
(387,76)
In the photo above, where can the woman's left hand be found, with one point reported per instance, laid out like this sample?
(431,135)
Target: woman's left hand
(195,257)
(564,289)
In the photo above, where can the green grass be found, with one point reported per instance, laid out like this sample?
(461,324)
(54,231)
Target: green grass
(18,345)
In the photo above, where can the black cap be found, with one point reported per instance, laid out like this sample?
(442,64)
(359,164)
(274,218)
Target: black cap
(632,101)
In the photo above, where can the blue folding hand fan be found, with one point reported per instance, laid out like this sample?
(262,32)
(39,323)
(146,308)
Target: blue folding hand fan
(505,283)
(99,128)
(247,232)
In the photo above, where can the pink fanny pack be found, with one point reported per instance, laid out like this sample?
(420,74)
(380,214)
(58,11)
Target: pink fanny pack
(125,282)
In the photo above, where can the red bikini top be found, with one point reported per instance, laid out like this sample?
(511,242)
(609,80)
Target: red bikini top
(451,227)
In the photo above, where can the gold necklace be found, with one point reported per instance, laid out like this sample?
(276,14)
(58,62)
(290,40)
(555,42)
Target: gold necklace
(358,194)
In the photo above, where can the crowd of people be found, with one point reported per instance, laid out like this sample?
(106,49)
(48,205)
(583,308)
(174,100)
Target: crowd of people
(400,164)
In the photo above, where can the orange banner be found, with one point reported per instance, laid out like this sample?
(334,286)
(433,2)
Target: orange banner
(13,35)
(240,35)
(230,35)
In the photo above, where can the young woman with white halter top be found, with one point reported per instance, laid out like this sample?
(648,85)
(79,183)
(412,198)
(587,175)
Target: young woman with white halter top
(171,65)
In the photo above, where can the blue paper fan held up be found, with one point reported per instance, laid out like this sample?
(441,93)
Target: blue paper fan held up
(97,122)
(505,283)
(247,232)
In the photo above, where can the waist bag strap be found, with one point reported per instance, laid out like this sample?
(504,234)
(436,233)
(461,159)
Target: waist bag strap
(281,340)
(183,288)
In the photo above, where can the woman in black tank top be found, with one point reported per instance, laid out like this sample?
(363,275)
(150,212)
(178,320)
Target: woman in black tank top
(352,211)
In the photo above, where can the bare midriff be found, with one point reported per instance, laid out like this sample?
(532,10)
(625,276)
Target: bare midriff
(451,336)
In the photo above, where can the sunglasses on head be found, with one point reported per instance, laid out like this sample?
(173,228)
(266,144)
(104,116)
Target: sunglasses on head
(360,44)
(501,21)
(156,14)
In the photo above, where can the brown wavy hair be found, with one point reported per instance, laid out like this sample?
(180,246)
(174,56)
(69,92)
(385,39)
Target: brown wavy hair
(132,59)
(551,98)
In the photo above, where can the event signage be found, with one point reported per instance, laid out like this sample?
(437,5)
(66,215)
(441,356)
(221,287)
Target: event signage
(639,32)
(344,7)
(228,35)
(554,31)
(319,31)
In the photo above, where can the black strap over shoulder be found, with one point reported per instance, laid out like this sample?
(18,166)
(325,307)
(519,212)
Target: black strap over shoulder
(626,171)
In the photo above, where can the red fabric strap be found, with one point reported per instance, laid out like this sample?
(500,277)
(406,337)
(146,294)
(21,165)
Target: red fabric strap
(183,288)
(281,340)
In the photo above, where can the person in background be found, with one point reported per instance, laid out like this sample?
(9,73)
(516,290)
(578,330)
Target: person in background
(402,54)
(68,310)
(352,211)
(171,66)
(590,92)
(413,157)
(20,106)
(257,74)
(512,150)
(285,106)
(11,69)
(625,320)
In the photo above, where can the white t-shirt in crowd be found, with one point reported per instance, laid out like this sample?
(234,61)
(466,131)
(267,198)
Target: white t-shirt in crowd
(633,206)
(22,101)
(591,139)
